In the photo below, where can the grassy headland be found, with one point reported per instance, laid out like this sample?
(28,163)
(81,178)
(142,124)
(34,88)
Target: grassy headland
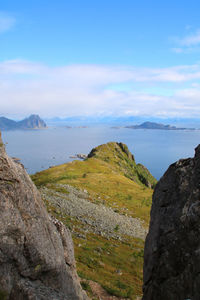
(110,178)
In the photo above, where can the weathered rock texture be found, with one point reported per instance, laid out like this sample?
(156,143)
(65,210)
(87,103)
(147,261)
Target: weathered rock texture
(172,248)
(36,252)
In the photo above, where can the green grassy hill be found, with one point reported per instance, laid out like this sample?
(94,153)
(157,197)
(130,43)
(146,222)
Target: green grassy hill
(108,181)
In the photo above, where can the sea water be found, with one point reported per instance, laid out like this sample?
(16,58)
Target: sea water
(155,149)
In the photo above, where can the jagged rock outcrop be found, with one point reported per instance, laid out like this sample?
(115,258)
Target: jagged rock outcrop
(172,248)
(32,122)
(36,251)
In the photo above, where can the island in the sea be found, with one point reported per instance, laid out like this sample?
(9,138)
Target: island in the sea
(153,125)
(32,122)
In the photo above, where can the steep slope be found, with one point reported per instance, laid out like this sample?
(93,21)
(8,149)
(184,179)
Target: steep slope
(6,123)
(172,255)
(32,122)
(36,251)
(106,205)
(118,155)
(110,173)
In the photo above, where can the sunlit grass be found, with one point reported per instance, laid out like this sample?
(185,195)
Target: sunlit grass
(112,178)
(101,181)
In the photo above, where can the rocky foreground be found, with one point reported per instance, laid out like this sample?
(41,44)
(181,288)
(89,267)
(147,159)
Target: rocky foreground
(172,248)
(36,251)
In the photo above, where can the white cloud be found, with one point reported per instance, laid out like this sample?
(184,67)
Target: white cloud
(187,44)
(191,40)
(177,50)
(27,87)
(6,22)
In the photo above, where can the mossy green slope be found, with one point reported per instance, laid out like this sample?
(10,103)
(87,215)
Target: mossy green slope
(119,156)
(112,178)
(109,174)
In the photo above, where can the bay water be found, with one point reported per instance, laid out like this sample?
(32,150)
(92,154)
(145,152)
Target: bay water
(155,149)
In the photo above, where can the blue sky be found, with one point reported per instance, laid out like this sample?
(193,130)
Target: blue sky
(68,58)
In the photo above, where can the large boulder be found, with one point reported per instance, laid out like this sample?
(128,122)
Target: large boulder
(172,247)
(36,251)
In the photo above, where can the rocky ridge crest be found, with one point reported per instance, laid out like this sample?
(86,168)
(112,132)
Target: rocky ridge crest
(118,155)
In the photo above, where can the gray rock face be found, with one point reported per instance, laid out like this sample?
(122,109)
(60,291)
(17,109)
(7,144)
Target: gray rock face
(32,122)
(172,247)
(36,252)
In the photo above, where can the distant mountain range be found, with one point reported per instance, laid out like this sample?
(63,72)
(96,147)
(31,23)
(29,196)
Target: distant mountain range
(122,121)
(32,122)
(35,122)
(152,125)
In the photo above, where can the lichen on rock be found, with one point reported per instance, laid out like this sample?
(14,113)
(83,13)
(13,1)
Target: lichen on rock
(172,247)
(36,252)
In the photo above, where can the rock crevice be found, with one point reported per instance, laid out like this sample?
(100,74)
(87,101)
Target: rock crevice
(172,247)
(36,252)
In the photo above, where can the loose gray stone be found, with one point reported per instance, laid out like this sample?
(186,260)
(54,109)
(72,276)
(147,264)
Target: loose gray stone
(97,218)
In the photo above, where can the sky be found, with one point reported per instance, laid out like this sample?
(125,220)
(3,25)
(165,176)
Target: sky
(99,58)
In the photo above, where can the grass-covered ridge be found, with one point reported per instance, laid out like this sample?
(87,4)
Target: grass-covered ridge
(119,156)
(110,175)
(110,178)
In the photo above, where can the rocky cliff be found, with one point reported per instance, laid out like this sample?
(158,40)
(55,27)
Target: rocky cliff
(32,122)
(172,248)
(36,251)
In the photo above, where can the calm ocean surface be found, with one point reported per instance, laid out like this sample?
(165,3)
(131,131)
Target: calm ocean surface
(156,149)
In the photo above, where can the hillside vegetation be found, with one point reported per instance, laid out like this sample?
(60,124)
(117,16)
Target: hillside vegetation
(105,200)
